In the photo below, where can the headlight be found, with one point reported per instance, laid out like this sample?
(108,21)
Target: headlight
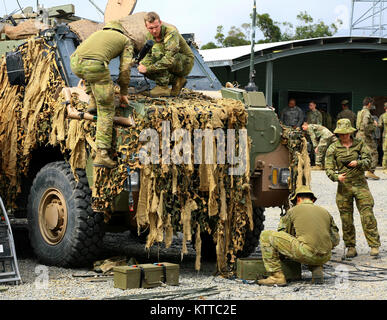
(284,176)
(135,180)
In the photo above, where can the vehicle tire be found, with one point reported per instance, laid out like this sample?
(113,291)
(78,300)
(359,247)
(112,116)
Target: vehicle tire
(63,229)
(251,240)
(252,237)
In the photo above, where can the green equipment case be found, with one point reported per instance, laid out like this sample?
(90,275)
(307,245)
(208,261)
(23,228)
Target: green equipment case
(146,275)
(253,269)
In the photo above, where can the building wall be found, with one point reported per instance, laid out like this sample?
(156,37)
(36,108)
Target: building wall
(325,72)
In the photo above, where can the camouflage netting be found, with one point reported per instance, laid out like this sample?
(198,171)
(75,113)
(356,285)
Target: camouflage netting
(187,198)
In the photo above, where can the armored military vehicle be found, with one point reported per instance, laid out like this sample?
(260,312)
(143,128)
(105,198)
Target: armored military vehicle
(56,197)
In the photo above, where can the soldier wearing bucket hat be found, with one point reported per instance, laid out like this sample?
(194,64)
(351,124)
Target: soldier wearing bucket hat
(346,161)
(347,113)
(383,125)
(366,126)
(307,234)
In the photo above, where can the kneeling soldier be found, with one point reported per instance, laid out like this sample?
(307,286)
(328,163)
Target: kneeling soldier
(306,234)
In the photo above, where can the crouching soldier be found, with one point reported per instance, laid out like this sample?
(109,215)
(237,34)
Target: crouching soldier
(306,234)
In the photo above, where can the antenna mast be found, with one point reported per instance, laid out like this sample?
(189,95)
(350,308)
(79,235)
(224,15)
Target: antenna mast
(251,85)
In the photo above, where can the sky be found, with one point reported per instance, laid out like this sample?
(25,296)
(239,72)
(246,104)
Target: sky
(203,16)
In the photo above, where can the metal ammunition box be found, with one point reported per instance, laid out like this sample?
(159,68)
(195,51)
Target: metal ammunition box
(252,269)
(146,275)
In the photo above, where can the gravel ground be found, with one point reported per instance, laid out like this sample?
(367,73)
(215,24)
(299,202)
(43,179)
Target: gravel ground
(362,281)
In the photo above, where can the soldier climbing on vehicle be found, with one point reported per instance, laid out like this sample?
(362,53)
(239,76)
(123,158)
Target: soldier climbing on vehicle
(91,62)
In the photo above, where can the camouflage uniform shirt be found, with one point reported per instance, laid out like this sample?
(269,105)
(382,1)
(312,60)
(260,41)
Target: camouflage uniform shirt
(162,57)
(314,117)
(105,45)
(318,134)
(365,123)
(311,225)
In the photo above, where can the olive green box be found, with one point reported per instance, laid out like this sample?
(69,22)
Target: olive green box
(129,277)
(252,269)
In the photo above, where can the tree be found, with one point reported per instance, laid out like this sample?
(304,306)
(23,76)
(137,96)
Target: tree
(307,29)
(235,37)
(272,31)
(209,45)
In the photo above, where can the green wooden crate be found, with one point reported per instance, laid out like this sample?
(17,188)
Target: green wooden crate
(252,269)
(129,277)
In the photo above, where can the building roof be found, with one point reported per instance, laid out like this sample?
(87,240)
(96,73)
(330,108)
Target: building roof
(238,57)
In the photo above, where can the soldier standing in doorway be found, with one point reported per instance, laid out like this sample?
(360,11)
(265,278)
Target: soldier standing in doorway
(292,116)
(366,126)
(347,113)
(313,116)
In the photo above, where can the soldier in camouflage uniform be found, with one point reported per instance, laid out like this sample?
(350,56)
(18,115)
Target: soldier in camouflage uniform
(345,163)
(292,116)
(383,125)
(170,60)
(90,62)
(321,139)
(366,126)
(307,234)
(313,116)
(347,113)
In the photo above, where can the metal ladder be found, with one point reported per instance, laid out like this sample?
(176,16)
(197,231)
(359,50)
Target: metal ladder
(9,269)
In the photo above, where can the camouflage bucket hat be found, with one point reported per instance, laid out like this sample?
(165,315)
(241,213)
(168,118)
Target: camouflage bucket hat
(345,102)
(344,126)
(385,105)
(114,25)
(301,190)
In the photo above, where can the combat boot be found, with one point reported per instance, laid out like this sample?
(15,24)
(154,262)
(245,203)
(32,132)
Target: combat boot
(374,252)
(103,160)
(371,175)
(176,88)
(160,91)
(92,109)
(317,274)
(277,278)
(351,253)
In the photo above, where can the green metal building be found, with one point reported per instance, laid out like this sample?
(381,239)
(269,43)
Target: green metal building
(326,70)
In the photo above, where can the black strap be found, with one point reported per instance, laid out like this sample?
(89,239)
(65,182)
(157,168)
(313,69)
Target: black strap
(142,275)
(164,273)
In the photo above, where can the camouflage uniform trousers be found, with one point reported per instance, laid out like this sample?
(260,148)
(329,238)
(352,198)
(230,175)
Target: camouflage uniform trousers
(373,148)
(100,87)
(322,150)
(274,243)
(346,193)
(181,68)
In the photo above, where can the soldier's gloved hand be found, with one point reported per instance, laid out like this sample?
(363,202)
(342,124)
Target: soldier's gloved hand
(124,99)
(142,69)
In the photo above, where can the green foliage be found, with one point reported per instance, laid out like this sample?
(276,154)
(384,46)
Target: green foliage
(272,32)
(209,45)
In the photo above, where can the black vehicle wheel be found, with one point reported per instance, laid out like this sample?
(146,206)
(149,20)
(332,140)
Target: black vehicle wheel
(63,229)
(251,240)
(252,237)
